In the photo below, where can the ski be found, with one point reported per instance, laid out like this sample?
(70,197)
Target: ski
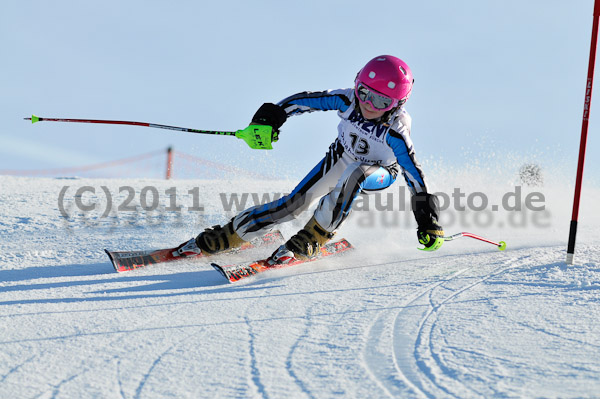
(237,272)
(129,260)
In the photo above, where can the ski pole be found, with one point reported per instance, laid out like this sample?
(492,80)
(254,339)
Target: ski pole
(256,136)
(501,245)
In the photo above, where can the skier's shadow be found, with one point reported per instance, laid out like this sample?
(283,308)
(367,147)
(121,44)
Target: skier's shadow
(136,283)
(40,272)
(169,282)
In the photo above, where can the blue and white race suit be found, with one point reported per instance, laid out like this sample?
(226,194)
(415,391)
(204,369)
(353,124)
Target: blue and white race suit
(365,157)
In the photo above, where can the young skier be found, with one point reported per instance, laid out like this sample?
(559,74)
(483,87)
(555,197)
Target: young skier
(372,146)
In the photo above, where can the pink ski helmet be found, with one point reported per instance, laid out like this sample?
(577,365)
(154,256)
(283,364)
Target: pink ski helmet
(387,75)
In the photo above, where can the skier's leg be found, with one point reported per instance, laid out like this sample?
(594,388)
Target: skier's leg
(260,219)
(359,178)
(333,209)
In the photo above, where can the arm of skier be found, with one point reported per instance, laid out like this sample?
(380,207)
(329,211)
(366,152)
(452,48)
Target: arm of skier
(275,115)
(328,100)
(425,205)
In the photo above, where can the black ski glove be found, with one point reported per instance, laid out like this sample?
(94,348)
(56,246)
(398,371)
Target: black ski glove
(271,115)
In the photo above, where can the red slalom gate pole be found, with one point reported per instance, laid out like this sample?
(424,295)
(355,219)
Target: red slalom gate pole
(169,163)
(584,132)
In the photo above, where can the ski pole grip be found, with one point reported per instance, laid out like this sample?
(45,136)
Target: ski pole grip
(258,137)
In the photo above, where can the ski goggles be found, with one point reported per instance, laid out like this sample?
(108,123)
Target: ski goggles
(376,100)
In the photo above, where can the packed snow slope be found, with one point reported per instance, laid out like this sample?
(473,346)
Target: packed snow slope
(383,321)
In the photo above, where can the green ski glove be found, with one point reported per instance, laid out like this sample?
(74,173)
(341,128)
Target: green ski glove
(431,236)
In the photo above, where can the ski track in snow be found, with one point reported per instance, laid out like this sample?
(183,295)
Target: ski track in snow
(389,323)
(254,369)
(118,376)
(254,362)
(16,368)
(157,360)
(423,348)
(407,363)
(289,361)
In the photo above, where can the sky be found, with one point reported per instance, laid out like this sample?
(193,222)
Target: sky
(494,80)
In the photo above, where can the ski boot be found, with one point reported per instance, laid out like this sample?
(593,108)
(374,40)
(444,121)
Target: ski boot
(218,239)
(306,244)
(211,241)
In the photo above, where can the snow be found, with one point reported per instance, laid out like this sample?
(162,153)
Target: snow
(383,321)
